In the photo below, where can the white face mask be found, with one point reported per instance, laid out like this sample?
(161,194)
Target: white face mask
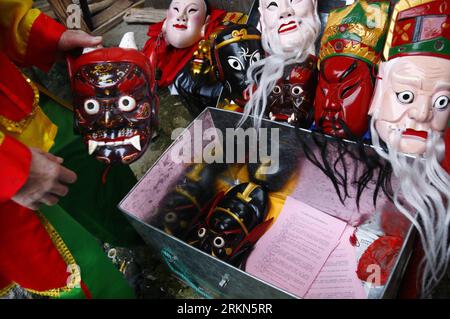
(293,22)
(185,23)
(412,99)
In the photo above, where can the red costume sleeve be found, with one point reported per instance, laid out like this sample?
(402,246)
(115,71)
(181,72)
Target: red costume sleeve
(27,36)
(15,160)
(43,43)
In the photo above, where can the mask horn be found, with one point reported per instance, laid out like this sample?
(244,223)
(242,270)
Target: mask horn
(87,50)
(128,41)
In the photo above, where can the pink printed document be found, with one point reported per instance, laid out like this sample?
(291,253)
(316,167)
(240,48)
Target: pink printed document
(294,250)
(338,279)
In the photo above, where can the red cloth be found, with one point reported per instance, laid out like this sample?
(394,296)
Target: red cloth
(16,95)
(171,60)
(17,98)
(446,162)
(377,262)
(28,255)
(43,42)
(15,159)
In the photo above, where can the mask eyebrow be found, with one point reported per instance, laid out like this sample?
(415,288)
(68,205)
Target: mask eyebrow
(406,80)
(348,71)
(244,53)
(442,86)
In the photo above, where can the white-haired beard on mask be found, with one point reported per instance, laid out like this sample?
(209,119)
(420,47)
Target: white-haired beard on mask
(423,196)
(265,73)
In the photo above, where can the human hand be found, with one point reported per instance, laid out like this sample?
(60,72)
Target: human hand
(74,39)
(46,183)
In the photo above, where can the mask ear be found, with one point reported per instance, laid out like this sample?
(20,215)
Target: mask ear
(203,33)
(379,90)
(164,27)
(261,24)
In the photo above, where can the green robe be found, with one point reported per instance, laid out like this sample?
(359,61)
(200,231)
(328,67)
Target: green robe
(88,215)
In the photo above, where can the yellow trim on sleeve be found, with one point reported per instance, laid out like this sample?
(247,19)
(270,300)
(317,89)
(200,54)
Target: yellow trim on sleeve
(2,137)
(66,256)
(36,130)
(6,290)
(16,20)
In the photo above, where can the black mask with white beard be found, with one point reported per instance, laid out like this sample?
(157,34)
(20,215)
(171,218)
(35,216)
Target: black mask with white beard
(265,73)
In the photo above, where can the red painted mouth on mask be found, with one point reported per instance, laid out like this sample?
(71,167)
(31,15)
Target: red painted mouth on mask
(180,26)
(286,27)
(411,132)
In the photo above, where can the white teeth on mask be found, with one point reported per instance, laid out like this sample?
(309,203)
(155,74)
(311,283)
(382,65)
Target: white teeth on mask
(291,119)
(136,142)
(92,147)
(272,118)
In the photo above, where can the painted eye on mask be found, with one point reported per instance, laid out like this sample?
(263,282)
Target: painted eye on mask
(406,97)
(219,242)
(201,232)
(127,103)
(296,91)
(442,102)
(276,90)
(235,63)
(256,56)
(348,91)
(170,217)
(91,106)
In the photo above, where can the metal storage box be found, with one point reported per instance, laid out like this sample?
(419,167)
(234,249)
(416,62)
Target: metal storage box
(212,277)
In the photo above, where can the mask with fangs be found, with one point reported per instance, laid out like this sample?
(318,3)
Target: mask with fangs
(115,102)
(292,98)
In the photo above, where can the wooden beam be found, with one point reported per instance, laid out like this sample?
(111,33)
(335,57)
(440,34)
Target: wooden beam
(144,15)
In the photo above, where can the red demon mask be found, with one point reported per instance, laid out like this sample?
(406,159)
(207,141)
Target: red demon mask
(115,103)
(343,97)
(292,97)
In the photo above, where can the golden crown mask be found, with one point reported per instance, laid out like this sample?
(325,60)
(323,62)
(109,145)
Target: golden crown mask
(401,6)
(350,48)
(369,37)
(362,36)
